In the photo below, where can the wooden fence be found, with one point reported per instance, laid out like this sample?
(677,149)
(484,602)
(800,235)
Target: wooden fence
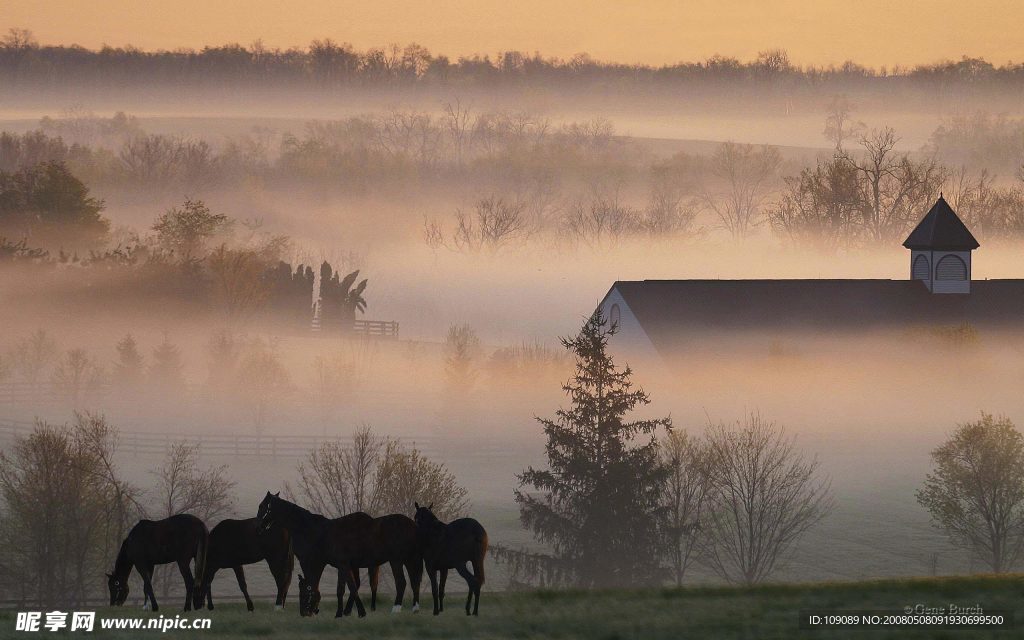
(229,445)
(376,329)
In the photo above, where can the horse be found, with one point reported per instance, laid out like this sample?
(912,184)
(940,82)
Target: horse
(349,543)
(234,543)
(179,538)
(451,546)
(317,542)
(399,548)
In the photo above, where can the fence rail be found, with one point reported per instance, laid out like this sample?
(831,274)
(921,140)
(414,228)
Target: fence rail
(376,328)
(229,445)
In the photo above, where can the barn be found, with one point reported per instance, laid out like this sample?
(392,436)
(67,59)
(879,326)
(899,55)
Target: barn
(666,317)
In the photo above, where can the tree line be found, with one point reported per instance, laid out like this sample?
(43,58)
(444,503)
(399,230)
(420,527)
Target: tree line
(325,63)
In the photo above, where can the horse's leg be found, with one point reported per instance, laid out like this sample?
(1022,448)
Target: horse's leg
(354,588)
(240,576)
(471,582)
(352,594)
(341,596)
(281,569)
(373,575)
(432,575)
(399,576)
(190,582)
(207,587)
(415,569)
(478,575)
(147,586)
(443,580)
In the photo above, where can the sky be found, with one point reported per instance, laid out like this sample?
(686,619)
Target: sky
(871,32)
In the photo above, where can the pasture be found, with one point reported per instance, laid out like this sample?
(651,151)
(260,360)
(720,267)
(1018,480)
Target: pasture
(721,612)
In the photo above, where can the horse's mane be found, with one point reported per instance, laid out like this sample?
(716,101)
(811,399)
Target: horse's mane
(123,564)
(302,512)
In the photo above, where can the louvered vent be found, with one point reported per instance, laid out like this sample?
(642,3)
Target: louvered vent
(921,270)
(950,268)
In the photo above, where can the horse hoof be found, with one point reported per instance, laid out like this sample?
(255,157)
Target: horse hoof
(416,607)
(396,609)
(278,607)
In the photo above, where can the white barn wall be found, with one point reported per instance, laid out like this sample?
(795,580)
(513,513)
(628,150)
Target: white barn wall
(631,343)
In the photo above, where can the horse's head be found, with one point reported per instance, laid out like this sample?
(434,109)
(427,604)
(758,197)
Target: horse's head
(309,598)
(118,589)
(424,515)
(268,510)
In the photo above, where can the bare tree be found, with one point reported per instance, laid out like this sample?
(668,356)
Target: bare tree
(183,487)
(31,356)
(895,189)
(821,207)
(601,223)
(975,492)
(764,496)
(493,224)
(684,496)
(376,475)
(337,479)
(77,375)
(744,173)
(839,124)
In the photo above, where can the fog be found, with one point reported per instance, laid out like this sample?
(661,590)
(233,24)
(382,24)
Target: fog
(293,165)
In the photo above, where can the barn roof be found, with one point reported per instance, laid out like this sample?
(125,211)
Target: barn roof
(674,311)
(941,230)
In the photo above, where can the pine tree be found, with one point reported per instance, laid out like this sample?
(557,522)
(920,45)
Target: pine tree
(597,505)
(128,370)
(166,371)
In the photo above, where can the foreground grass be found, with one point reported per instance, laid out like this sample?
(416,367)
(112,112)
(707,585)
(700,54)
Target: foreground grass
(762,612)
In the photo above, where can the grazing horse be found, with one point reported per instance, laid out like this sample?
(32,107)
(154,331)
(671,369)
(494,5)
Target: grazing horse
(234,543)
(349,543)
(317,542)
(451,546)
(178,539)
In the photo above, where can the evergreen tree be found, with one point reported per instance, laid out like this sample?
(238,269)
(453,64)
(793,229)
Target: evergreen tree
(597,505)
(166,371)
(128,370)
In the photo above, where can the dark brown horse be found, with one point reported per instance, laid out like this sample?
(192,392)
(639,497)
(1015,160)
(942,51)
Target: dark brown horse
(178,539)
(348,543)
(398,547)
(234,543)
(317,542)
(451,546)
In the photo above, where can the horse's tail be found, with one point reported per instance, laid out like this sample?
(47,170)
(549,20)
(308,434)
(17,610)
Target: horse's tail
(481,540)
(201,550)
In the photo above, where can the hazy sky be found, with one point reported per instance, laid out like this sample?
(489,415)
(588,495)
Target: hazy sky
(874,32)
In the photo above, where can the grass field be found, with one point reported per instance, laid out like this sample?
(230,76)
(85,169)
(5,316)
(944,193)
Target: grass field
(763,612)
